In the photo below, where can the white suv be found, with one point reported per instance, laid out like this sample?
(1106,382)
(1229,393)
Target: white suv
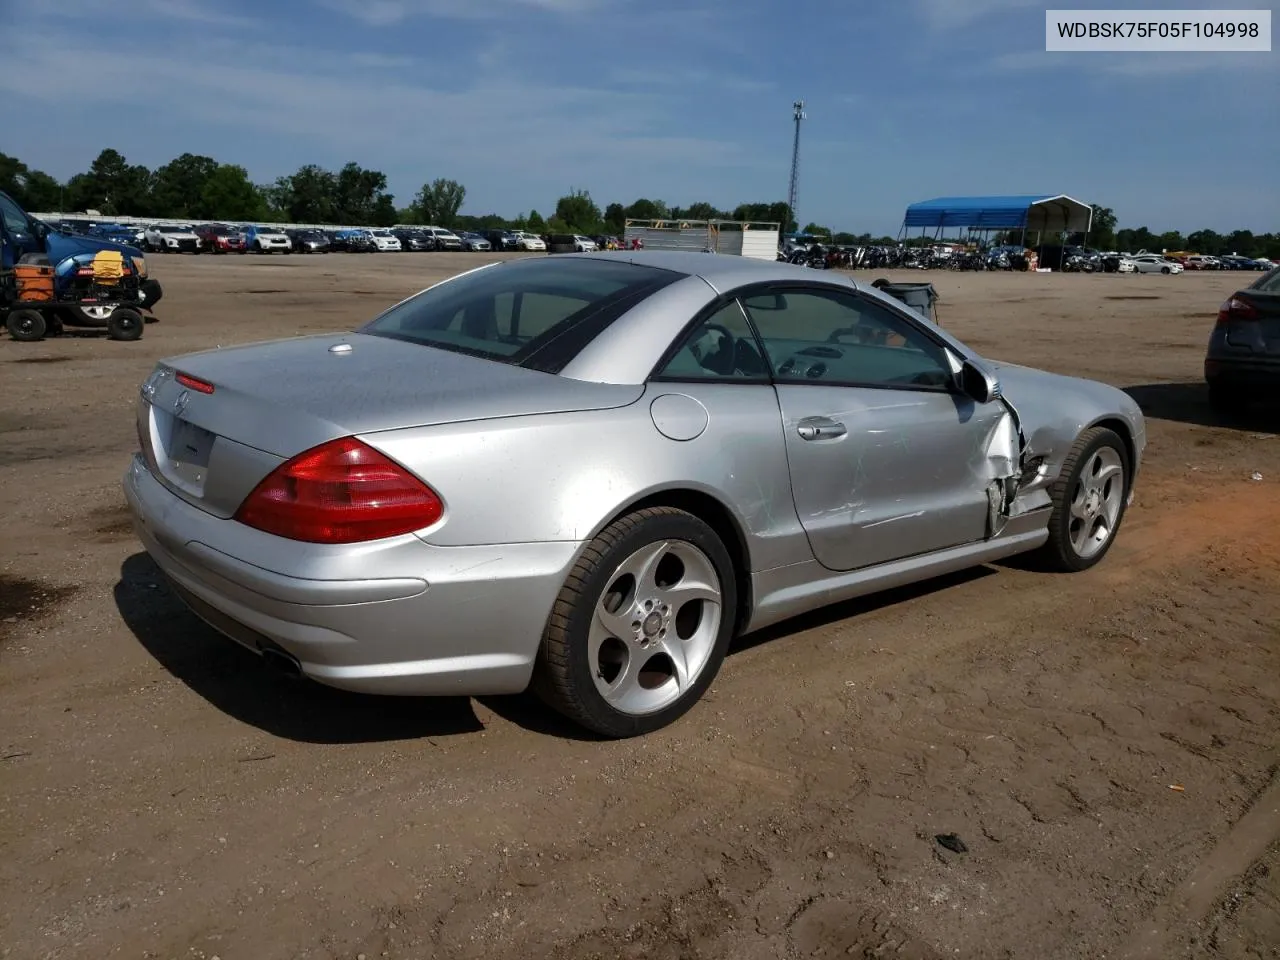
(445,239)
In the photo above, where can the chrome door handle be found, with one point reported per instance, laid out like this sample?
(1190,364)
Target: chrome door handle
(820,428)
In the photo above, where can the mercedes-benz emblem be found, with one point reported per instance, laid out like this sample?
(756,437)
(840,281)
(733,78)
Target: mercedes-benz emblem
(180,401)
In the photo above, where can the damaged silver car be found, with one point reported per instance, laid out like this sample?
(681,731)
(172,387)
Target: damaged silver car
(587,474)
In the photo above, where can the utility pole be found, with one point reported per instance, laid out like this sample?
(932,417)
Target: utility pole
(798,114)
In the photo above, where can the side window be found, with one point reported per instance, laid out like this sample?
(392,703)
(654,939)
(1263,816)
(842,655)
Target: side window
(722,347)
(828,336)
(15,221)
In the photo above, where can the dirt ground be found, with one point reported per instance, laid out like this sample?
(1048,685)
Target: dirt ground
(1106,745)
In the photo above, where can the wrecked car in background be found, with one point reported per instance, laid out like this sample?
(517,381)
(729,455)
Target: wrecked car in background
(588,473)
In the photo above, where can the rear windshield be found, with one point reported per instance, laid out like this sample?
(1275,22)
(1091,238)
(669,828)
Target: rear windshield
(537,312)
(1269,282)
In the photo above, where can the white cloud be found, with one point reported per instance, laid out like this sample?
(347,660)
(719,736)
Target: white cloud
(1129,64)
(687,78)
(383,61)
(145,11)
(390,118)
(382,13)
(950,14)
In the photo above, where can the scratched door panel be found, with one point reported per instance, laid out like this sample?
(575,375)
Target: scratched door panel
(908,475)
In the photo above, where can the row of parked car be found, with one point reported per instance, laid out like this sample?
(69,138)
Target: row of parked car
(267,238)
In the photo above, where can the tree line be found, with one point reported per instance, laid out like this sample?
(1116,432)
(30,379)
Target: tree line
(200,188)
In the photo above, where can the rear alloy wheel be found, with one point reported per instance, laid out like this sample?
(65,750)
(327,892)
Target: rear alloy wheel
(1089,500)
(28,326)
(124,324)
(641,626)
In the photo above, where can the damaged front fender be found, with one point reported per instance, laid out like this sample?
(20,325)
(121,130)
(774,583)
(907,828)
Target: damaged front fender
(1011,466)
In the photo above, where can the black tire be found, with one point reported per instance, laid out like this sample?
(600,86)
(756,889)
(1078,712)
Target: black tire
(124,324)
(1165,270)
(1226,401)
(26,326)
(1059,553)
(562,675)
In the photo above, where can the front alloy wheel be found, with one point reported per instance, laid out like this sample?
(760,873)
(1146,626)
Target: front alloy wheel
(640,628)
(1089,499)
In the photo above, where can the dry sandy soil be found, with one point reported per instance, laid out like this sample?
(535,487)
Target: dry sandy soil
(164,796)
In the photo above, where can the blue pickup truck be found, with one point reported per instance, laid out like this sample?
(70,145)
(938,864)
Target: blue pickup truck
(51,276)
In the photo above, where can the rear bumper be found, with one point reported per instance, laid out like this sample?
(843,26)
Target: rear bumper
(425,620)
(1253,374)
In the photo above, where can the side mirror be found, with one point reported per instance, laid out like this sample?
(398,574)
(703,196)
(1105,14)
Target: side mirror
(40,229)
(978,384)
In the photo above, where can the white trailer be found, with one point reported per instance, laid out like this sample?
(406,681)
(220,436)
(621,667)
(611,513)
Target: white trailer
(759,241)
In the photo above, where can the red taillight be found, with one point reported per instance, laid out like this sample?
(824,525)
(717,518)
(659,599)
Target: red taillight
(343,491)
(1237,309)
(200,386)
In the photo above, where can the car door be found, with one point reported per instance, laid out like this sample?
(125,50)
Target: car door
(888,459)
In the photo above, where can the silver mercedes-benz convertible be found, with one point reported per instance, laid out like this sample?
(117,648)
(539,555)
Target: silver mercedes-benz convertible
(587,474)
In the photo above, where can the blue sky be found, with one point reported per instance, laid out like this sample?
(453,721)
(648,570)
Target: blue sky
(679,100)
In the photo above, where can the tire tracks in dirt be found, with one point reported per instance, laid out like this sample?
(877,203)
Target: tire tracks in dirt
(1201,889)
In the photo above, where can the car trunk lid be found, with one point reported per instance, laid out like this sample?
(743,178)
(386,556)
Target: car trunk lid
(1253,321)
(213,424)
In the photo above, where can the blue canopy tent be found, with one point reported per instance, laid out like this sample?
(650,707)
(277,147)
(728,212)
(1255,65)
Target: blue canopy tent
(1042,213)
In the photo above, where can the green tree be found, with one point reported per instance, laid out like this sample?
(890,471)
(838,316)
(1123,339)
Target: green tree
(1170,240)
(644,209)
(579,213)
(1102,232)
(699,211)
(307,196)
(615,218)
(42,192)
(358,193)
(112,186)
(277,197)
(778,213)
(229,194)
(439,201)
(33,190)
(536,223)
(179,186)
(1242,242)
(1206,241)
(13,174)
(1130,240)
(482,223)
(384,211)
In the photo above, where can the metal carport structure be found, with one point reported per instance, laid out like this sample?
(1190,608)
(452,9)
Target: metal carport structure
(1041,213)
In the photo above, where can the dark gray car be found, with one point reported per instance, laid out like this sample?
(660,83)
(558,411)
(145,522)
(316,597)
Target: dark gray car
(1242,363)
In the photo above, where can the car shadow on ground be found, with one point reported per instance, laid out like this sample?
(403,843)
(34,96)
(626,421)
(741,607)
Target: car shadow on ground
(1189,403)
(238,683)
